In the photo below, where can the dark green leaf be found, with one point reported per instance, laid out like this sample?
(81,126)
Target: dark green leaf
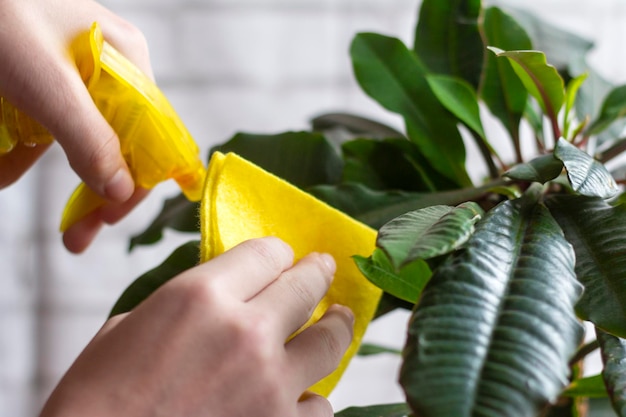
(389,303)
(495,327)
(376,208)
(183,258)
(387,410)
(541,169)
(447,38)
(502,90)
(396,164)
(597,231)
(587,176)
(354,125)
(614,358)
(394,76)
(613,108)
(301,158)
(368,349)
(406,283)
(177,213)
(541,80)
(428,232)
(589,387)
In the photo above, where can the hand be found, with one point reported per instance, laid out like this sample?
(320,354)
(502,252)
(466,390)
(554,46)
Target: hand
(211,342)
(39,77)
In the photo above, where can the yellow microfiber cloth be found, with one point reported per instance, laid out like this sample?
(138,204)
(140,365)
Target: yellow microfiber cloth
(242,201)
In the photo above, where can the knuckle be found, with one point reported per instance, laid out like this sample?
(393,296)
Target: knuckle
(332,344)
(274,254)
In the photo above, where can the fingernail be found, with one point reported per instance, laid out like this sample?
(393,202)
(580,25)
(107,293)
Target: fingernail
(120,187)
(329,261)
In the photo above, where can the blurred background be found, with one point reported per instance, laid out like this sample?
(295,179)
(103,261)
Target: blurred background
(226,66)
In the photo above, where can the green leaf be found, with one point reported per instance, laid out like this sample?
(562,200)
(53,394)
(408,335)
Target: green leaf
(386,410)
(502,90)
(183,258)
(177,213)
(394,76)
(375,208)
(390,164)
(447,38)
(495,327)
(406,283)
(597,231)
(460,98)
(587,176)
(613,351)
(428,232)
(541,80)
(301,158)
(570,99)
(613,108)
(541,169)
(588,387)
(353,125)
(369,349)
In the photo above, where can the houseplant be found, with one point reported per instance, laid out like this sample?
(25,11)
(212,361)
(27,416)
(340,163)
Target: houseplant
(499,275)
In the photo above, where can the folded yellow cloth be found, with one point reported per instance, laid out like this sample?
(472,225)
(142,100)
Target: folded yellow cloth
(242,201)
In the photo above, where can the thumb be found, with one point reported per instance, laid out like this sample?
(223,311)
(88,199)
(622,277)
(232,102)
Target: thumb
(92,148)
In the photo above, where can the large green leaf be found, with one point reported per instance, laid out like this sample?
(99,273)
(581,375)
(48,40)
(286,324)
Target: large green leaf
(542,169)
(502,90)
(183,258)
(376,208)
(597,231)
(541,79)
(353,125)
(587,176)
(495,327)
(614,358)
(301,158)
(404,283)
(395,77)
(177,213)
(428,232)
(386,410)
(613,108)
(447,38)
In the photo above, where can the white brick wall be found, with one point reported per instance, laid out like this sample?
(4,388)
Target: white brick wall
(227,66)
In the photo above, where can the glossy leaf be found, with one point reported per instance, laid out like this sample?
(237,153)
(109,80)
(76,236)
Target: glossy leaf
(541,169)
(495,327)
(376,208)
(428,232)
(502,90)
(395,77)
(541,80)
(177,213)
(300,158)
(447,38)
(369,349)
(613,108)
(587,176)
(597,231)
(613,351)
(406,283)
(185,257)
(386,410)
(588,387)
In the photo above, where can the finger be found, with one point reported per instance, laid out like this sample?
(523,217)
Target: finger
(247,268)
(78,237)
(15,163)
(110,324)
(112,213)
(318,350)
(313,405)
(292,298)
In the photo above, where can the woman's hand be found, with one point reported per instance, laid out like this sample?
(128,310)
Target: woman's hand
(211,342)
(38,75)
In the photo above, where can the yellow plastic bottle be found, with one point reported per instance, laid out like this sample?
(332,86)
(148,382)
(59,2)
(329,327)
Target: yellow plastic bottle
(153,140)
